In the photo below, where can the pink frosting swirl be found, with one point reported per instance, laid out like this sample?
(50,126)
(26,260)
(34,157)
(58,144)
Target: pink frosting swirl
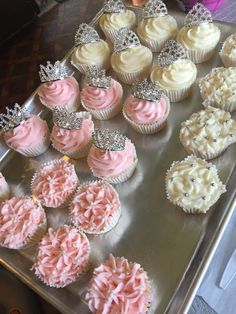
(59,93)
(111,163)
(118,286)
(62,256)
(94,205)
(100,98)
(54,183)
(28,134)
(19,220)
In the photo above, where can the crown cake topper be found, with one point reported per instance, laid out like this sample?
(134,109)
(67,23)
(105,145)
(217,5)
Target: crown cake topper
(171,53)
(52,72)
(125,39)
(147,91)
(111,140)
(197,15)
(154,8)
(86,34)
(13,118)
(97,77)
(114,6)
(66,120)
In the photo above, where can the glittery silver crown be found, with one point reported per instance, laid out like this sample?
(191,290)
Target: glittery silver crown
(52,72)
(154,8)
(125,39)
(147,91)
(171,52)
(111,140)
(197,15)
(114,6)
(86,34)
(97,77)
(13,117)
(66,120)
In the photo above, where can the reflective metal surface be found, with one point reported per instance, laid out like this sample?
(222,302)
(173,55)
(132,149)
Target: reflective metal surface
(173,247)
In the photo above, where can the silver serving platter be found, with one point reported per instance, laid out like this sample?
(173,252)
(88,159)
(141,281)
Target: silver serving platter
(173,247)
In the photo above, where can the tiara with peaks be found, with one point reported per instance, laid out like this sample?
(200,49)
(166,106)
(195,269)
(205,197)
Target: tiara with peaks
(154,8)
(97,77)
(111,140)
(125,39)
(86,34)
(66,120)
(171,52)
(114,6)
(147,91)
(13,117)
(52,72)
(197,15)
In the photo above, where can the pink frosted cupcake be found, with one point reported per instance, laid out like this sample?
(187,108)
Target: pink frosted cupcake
(102,95)
(95,207)
(4,189)
(62,256)
(147,108)
(22,222)
(54,183)
(24,133)
(72,133)
(112,156)
(58,88)
(119,286)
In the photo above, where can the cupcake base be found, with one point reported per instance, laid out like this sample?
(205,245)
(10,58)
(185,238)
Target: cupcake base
(197,56)
(130,78)
(37,150)
(71,106)
(77,154)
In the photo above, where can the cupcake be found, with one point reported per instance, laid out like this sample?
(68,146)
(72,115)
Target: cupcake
(157,26)
(4,189)
(54,183)
(58,89)
(102,95)
(95,207)
(174,72)
(130,60)
(72,133)
(62,256)
(112,156)
(119,286)
(217,88)
(228,51)
(89,50)
(147,108)
(27,134)
(208,133)
(116,16)
(22,222)
(199,35)
(194,185)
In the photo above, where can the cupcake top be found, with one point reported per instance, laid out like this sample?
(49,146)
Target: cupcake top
(94,206)
(19,219)
(229,46)
(62,256)
(119,286)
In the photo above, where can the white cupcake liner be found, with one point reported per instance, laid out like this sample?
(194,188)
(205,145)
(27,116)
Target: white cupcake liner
(71,106)
(83,68)
(200,56)
(227,60)
(77,154)
(111,34)
(130,78)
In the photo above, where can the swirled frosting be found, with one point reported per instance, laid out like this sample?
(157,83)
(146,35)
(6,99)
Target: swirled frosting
(20,217)
(62,256)
(101,98)
(119,286)
(54,182)
(193,184)
(116,21)
(104,163)
(229,46)
(4,188)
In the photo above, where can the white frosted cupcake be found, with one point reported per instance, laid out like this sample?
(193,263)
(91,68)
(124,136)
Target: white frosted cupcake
(199,35)
(4,189)
(157,26)
(90,49)
(228,51)
(116,16)
(130,60)
(174,72)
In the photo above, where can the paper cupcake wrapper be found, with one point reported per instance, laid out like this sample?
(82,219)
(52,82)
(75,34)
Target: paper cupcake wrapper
(227,61)
(130,78)
(155,45)
(71,106)
(111,34)
(179,94)
(83,68)
(77,154)
(200,56)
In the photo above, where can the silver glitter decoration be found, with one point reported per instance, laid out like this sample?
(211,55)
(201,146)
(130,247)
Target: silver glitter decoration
(147,91)
(52,72)
(171,53)
(197,15)
(111,140)
(125,39)
(97,77)
(114,6)
(13,117)
(154,8)
(66,120)
(86,34)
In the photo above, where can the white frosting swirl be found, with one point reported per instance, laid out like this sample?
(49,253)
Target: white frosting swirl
(116,21)
(229,46)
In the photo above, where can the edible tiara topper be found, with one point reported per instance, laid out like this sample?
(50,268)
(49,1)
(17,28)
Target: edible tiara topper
(154,8)
(86,34)
(114,6)
(197,15)
(13,117)
(147,91)
(52,72)
(171,53)
(97,77)
(111,140)
(125,39)
(66,120)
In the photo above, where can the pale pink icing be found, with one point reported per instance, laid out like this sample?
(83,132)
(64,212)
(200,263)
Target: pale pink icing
(60,92)
(28,134)
(53,183)
(19,219)
(145,112)
(101,98)
(62,256)
(94,205)
(4,188)
(105,163)
(120,287)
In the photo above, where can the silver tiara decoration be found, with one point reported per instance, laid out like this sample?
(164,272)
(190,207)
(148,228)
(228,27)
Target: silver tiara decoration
(171,52)
(13,117)
(114,6)
(97,77)
(66,120)
(154,8)
(147,91)
(125,39)
(111,140)
(86,34)
(52,72)
(197,15)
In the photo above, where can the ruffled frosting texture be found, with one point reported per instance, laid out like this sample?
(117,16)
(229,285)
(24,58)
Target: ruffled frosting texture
(229,46)
(116,21)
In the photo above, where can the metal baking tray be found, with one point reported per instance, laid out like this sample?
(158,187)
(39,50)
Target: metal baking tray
(173,247)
